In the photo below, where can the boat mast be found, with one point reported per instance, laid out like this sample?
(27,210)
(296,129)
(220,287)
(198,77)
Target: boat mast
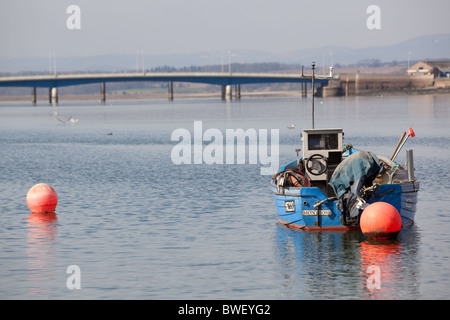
(312,84)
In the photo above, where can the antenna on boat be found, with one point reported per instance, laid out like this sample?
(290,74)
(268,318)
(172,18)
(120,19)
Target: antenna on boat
(312,84)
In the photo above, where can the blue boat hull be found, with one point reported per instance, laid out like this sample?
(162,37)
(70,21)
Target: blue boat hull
(295,209)
(295,206)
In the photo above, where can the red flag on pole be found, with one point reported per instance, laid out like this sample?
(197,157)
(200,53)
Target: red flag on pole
(410,134)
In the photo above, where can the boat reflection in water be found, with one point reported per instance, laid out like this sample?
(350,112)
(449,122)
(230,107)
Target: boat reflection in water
(346,265)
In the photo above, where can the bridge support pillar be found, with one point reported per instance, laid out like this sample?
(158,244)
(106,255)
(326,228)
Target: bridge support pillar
(304,90)
(33,95)
(228,92)
(357,83)
(237,90)
(102,93)
(53,96)
(170,91)
(223,91)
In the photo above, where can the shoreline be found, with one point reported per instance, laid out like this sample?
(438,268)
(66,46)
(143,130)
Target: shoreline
(81,97)
(250,94)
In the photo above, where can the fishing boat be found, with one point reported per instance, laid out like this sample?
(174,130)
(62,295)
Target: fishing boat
(332,183)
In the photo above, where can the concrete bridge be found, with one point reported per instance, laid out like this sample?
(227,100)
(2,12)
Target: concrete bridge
(226,80)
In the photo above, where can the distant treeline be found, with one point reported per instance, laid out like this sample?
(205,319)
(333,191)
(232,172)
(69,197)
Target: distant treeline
(274,66)
(235,67)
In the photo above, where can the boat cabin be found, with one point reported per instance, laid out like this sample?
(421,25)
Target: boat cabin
(322,153)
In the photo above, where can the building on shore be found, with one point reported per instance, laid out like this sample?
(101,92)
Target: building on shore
(438,69)
(424,75)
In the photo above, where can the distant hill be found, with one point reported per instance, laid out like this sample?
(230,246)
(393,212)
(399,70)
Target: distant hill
(430,47)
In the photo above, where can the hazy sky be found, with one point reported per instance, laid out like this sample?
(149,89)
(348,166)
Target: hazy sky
(31,28)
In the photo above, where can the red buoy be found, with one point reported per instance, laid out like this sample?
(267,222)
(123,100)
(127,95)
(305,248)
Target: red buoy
(42,198)
(380,220)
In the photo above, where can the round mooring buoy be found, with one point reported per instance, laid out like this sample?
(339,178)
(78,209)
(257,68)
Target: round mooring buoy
(380,220)
(42,198)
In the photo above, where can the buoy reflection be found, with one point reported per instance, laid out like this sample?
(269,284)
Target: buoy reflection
(42,230)
(41,227)
(381,267)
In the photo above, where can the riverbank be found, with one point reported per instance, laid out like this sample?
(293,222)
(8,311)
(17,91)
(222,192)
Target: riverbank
(390,92)
(144,96)
(375,84)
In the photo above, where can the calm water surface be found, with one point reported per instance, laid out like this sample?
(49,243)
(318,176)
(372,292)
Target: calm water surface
(140,227)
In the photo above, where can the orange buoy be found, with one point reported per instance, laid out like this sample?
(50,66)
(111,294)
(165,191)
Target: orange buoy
(42,198)
(380,220)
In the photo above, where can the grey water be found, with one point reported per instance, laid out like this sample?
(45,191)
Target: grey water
(139,226)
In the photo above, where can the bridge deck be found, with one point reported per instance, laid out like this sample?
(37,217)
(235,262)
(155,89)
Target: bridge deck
(60,80)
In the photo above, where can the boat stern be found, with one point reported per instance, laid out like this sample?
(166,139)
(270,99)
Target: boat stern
(306,208)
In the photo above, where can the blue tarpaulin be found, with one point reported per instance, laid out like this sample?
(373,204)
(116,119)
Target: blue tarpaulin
(355,167)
